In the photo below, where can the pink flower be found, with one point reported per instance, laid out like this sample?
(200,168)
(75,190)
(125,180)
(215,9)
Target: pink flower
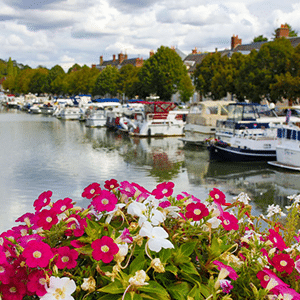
(66,258)
(24,240)
(231,272)
(125,236)
(269,278)
(196,211)
(92,190)
(218,196)
(104,249)
(47,218)
(164,204)
(141,193)
(164,189)
(277,240)
(37,254)
(77,244)
(286,292)
(43,200)
(229,221)
(226,285)
(283,263)
(6,272)
(111,184)
(106,201)
(62,205)
(27,218)
(77,226)
(15,290)
(37,281)
(127,189)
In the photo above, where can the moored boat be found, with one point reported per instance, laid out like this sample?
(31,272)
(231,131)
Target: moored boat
(202,120)
(248,134)
(288,147)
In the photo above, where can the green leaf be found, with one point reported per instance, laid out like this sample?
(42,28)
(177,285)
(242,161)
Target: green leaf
(188,248)
(171,268)
(179,291)
(195,293)
(115,287)
(154,288)
(110,297)
(189,268)
(138,263)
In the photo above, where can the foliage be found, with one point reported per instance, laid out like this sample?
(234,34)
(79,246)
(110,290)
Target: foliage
(162,73)
(106,82)
(39,81)
(260,38)
(186,88)
(128,80)
(131,243)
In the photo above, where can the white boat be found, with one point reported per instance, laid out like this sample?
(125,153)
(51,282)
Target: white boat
(248,134)
(129,110)
(288,147)
(202,120)
(70,113)
(96,114)
(159,119)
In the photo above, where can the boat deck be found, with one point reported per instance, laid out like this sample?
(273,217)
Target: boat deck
(281,165)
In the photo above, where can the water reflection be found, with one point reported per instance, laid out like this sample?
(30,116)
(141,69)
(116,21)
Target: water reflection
(39,153)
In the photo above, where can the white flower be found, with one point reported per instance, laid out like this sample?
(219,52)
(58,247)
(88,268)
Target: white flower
(242,197)
(215,222)
(123,249)
(139,278)
(89,284)
(60,289)
(157,217)
(114,212)
(157,237)
(274,209)
(136,209)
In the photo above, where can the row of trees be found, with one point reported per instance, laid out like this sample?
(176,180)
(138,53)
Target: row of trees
(271,73)
(162,74)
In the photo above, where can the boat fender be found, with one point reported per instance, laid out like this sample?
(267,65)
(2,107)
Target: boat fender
(149,132)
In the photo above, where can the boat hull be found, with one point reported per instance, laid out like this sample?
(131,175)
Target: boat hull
(227,153)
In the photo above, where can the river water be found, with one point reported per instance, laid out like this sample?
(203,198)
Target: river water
(39,153)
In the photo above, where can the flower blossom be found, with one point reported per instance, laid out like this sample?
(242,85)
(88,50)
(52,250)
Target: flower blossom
(43,200)
(104,249)
(242,197)
(89,284)
(283,263)
(92,190)
(111,184)
(127,189)
(46,218)
(62,205)
(164,189)
(196,211)
(277,240)
(60,289)
(225,271)
(106,201)
(268,279)
(225,285)
(37,282)
(229,221)
(15,290)
(139,279)
(273,210)
(157,237)
(66,258)
(37,254)
(218,196)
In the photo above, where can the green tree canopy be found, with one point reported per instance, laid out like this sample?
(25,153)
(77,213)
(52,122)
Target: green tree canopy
(106,82)
(127,81)
(162,73)
(260,38)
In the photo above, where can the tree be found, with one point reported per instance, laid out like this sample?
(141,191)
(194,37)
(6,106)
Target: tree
(39,81)
(53,74)
(260,38)
(186,88)
(162,73)
(127,81)
(106,82)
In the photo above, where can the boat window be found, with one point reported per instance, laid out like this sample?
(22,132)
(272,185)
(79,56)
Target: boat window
(224,111)
(249,113)
(298,135)
(235,112)
(212,110)
(288,134)
(294,134)
(279,132)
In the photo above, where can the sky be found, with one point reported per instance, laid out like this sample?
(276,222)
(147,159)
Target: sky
(65,32)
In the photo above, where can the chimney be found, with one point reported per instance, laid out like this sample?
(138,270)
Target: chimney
(126,56)
(283,31)
(151,53)
(93,66)
(114,57)
(194,51)
(120,57)
(139,62)
(235,41)
(101,60)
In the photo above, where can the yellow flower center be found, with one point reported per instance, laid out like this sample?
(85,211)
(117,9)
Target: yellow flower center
(60,293)
(283,263)
(63,207)
(65,258)
(104,248)
(2,269)
(42,281)
(13,289)
(164,191)
(275,240)
(226,222)
(48,219)
(266,278)
(217,196)
(92,191)
(37,254)
(111,186)
(104,201)
(197,211)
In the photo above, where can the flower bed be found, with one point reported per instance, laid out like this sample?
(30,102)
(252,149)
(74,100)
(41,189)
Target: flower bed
(131,243)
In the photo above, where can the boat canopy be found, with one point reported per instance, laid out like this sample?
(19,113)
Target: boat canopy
(106,100)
